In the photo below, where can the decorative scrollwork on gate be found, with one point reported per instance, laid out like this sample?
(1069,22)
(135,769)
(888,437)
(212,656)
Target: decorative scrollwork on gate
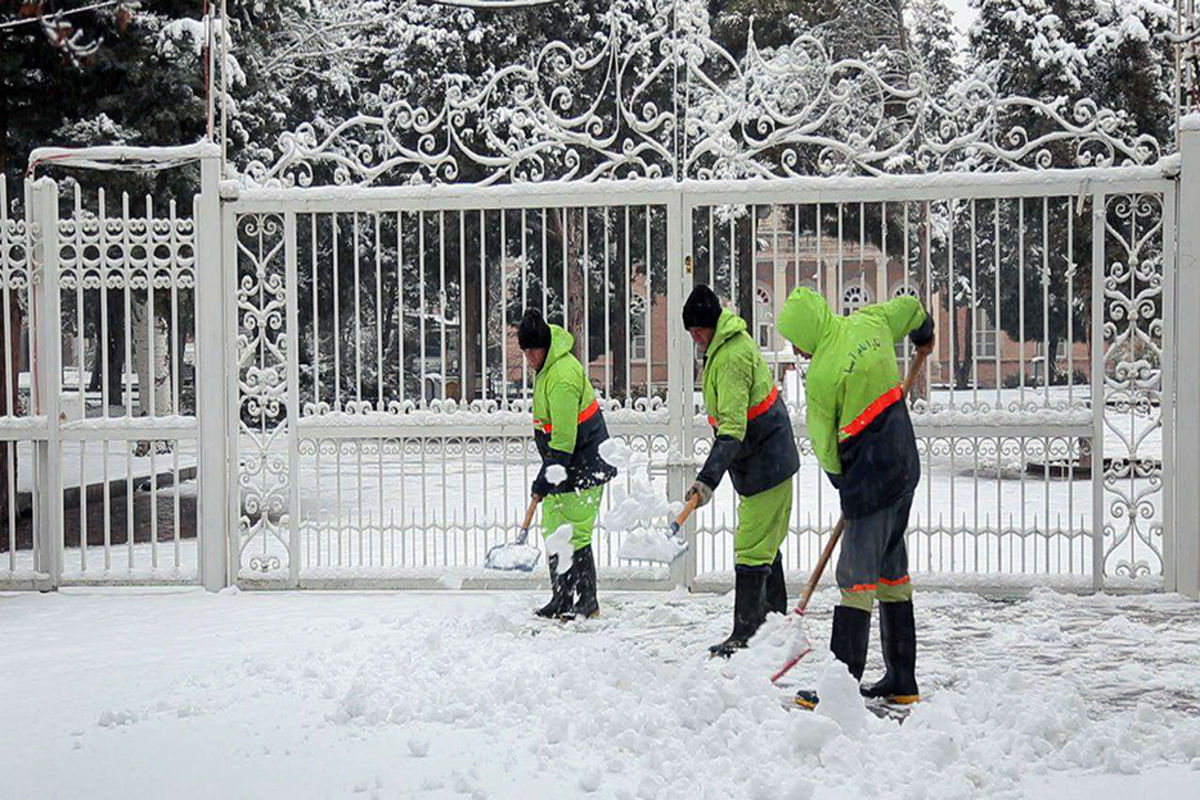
(1133,385)
(661,98)
(262,342)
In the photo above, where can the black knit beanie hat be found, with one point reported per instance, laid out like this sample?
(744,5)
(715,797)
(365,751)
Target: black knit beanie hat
(702,309)
(533,330)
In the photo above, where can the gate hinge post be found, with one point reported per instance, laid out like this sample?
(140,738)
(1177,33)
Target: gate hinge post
(212,383)
(1186,537)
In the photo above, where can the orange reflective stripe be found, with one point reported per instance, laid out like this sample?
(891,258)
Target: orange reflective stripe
(881,404)
(897,582)
(589,412)
(862,587)
(584,416)
(764,406)
(756,410)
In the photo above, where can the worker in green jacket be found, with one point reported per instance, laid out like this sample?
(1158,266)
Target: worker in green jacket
(862,436)
(754,443)
(568,427)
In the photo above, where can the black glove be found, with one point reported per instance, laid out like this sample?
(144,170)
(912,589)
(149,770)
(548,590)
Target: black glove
(924,334)
(699,488)
(724,449)
(542,485)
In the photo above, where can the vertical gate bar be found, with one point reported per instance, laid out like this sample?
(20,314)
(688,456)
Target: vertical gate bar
(1070,303)
(336,338)
(679,372)
(646,311)
(291,284)
(151,375)
(524,302)
(483,326)
(79,326)
(356,232)
(1097,334)
(316,316)
(1021,298)
(126,372)
(173,349)
(628,401)
(953,378)
(585,274)
(378,318)
(995,324)
(442,367)
(503,332)
(608,349)
(1046,302)
(400,309)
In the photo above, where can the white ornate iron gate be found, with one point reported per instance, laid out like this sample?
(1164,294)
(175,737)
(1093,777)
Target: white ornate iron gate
(410,452)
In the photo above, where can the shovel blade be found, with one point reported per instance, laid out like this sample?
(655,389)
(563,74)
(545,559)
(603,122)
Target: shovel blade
(651,546)
(512,557)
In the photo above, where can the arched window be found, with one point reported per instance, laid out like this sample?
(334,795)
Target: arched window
(853,298)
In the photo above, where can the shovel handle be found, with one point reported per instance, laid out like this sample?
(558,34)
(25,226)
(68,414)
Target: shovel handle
(523,536)
(691,506)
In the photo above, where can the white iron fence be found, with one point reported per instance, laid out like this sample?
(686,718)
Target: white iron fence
(321,387)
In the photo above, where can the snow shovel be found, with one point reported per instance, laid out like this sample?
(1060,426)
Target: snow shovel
(801,645)
(516,556)
(663,547)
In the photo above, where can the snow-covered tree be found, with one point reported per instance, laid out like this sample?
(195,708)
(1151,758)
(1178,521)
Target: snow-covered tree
(932,42)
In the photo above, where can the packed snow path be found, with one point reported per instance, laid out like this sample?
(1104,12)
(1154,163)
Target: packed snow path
(122,693)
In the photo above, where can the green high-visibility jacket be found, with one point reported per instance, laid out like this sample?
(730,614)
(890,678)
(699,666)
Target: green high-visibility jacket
(857,420)
(567,421)
(754,439)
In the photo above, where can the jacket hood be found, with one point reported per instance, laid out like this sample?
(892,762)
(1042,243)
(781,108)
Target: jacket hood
(805,319)
(561,343)
(728,326)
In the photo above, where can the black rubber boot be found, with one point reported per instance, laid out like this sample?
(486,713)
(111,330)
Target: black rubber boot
(777,588)
(559,606)
(583,576)
(898,639)
(749,608)
(851,635)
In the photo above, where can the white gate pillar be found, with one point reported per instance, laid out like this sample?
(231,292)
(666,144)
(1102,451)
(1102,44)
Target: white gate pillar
(212,384)
(1186,536)
(45,339)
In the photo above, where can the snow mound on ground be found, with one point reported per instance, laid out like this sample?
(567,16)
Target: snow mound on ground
(840,699)
(437,691)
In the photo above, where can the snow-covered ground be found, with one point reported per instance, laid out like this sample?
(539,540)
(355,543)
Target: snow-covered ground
(130,694)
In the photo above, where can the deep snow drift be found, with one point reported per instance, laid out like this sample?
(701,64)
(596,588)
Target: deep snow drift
(182,694)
